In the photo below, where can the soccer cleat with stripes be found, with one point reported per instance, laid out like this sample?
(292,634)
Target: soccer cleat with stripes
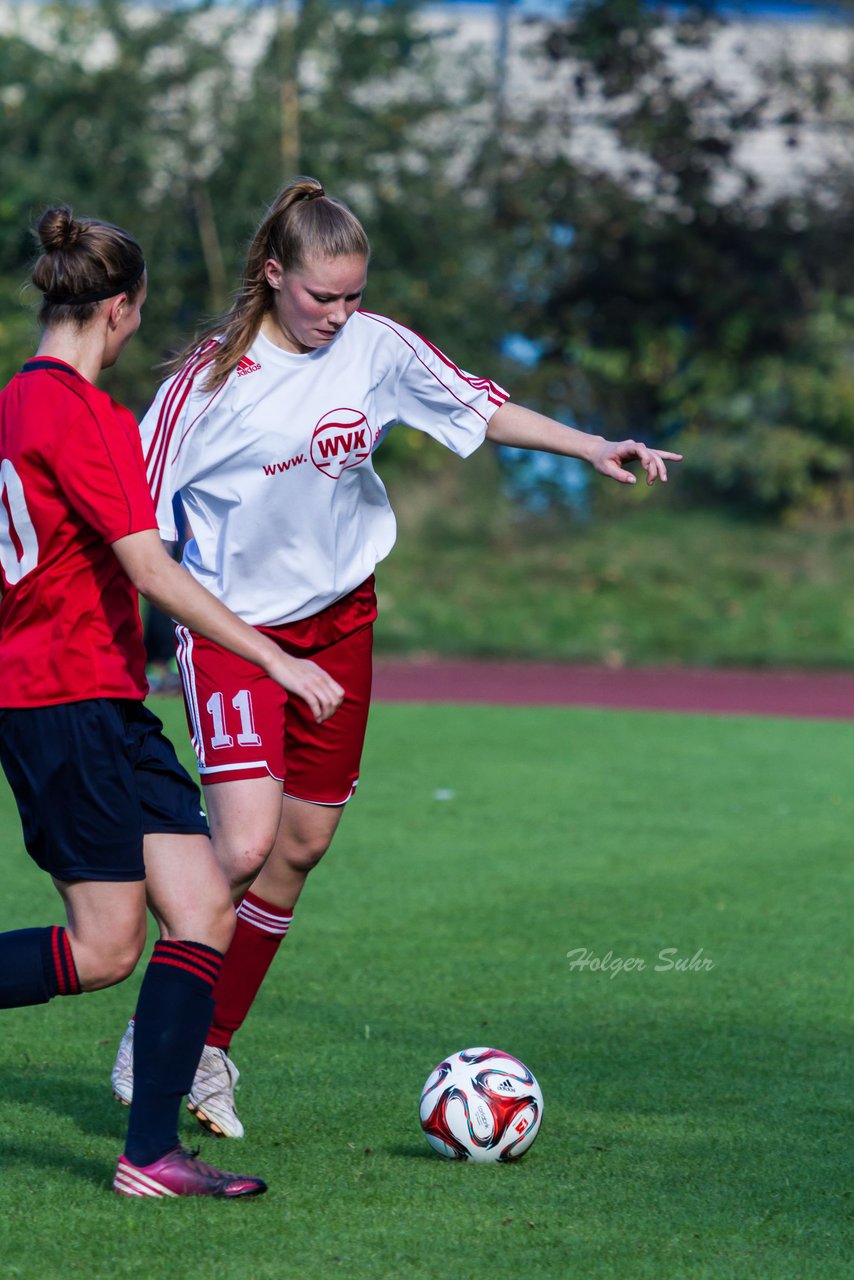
(180,1173)
(211,1098)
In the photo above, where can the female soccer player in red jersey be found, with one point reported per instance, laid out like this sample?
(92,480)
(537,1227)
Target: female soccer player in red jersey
(106,808)
(266,432)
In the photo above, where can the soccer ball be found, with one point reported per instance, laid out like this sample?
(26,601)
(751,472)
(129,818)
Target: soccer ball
(481,1105)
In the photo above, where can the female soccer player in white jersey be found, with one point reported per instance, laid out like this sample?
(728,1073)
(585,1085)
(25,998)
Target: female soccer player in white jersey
(266,431)
(106,808)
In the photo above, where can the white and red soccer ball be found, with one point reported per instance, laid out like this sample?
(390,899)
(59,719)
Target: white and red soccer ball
(481,1105)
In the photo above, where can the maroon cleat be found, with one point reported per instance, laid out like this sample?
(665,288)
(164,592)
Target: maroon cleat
(179,1173)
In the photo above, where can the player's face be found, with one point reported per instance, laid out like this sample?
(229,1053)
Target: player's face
(128,316)
(315,302)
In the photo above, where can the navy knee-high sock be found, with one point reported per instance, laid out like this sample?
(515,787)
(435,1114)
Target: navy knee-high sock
(173,1015)
(35,966)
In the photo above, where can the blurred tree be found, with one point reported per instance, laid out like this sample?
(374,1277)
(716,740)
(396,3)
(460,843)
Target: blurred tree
(379,117)
(662,292)
(177,124)
(95,115)
(670,297)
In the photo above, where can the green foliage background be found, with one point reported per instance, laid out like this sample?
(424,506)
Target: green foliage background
(140,116)
(679,303)
(670,298)
(691,305)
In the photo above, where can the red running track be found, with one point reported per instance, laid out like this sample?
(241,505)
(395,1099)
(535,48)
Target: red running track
(822,694)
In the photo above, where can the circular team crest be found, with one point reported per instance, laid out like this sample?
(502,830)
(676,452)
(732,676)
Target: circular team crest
(341,439)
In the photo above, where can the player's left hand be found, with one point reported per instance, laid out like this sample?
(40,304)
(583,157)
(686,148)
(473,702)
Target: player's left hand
(613,453)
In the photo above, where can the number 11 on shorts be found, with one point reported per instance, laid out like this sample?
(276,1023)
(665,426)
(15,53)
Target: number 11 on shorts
(242,703)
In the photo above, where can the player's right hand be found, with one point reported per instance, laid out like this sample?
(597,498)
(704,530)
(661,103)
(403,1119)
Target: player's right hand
(310,682)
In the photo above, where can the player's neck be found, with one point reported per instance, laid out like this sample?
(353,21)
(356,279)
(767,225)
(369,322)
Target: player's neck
(274,332)
(75,347)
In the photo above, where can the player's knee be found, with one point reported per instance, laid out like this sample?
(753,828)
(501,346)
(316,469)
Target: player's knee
(304,854)
(210,922)
(108,963)
(242,863)
(220,928)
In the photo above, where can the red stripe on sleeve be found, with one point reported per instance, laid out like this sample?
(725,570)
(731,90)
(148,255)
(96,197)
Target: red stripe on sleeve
(495,394)
(167,418)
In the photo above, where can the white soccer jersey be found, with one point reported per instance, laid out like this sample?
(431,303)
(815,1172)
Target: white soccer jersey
(275,469)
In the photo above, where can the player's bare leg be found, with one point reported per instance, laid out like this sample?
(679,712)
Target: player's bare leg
(305,833)
(188,894)
(241,816)
(105,927)
(245,818)
(189,897)
(99,945)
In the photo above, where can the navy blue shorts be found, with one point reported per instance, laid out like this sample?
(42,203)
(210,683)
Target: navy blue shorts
(90,780)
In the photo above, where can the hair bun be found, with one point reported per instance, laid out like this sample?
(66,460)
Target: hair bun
(57,229)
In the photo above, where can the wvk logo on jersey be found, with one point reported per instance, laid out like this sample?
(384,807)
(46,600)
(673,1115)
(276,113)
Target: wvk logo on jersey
(341,440)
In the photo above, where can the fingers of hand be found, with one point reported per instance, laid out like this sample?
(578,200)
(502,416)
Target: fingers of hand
(655,469)
(658,456)
(618,473)
(329,697)
(652,460)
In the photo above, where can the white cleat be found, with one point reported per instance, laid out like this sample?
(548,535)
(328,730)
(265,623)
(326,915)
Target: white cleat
(211,1098)
(122,1077)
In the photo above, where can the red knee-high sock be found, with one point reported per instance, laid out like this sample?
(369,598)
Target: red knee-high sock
(261,927)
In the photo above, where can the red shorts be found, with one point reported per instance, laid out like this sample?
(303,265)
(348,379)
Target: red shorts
(244,725)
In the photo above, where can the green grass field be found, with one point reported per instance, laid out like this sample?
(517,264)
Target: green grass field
(697,1122)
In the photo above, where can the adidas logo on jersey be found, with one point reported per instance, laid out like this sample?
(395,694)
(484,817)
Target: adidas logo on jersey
(247,366)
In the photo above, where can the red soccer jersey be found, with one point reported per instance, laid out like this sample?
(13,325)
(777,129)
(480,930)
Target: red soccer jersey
(72,481)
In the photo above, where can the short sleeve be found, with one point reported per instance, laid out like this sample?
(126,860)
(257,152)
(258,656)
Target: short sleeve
(101,472)
(437,397)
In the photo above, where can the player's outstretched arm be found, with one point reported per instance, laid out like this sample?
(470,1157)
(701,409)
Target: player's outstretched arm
(157,577)
(522,428)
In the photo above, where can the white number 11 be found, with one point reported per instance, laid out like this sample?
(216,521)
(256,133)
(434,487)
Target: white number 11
(242,703)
